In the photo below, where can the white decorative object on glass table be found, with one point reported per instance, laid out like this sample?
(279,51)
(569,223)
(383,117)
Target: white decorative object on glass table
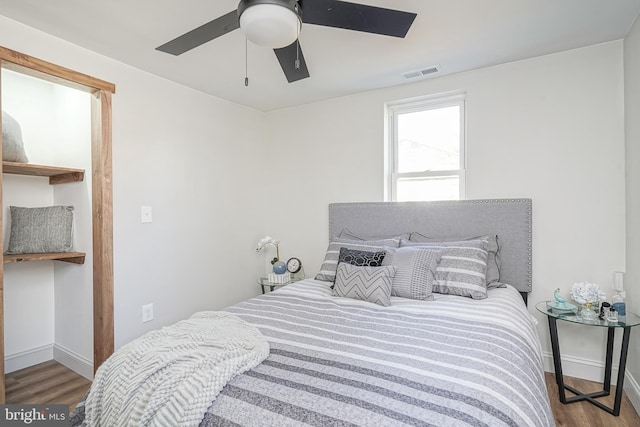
(279,267)
(279,279)
(264,283)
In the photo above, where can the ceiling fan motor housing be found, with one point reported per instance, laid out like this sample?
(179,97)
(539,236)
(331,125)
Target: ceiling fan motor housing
(269,26)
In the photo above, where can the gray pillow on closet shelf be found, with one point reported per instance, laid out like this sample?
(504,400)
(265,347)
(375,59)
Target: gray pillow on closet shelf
(12,146)
(41,230)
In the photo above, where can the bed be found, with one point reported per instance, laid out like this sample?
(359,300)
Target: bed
(450,361)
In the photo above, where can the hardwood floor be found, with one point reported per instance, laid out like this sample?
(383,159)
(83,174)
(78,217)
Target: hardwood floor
(50,382)
(585,414)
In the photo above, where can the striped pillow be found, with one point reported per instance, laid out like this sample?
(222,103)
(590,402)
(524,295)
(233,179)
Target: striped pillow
(493,248)
(415,275)
(462,269)
(327,271)
(372,284)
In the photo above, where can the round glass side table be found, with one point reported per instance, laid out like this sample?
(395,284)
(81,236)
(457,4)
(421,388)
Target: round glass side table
(624,322)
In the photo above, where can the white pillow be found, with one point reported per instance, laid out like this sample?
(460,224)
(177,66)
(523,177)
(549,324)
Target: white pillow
(12,146)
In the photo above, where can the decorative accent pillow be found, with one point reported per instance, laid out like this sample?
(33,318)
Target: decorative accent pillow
(347,234)
(41,230)
(372,284)
(462,269)
(493,259)
(327,271)
(415,272)
(12,146)
(361,258)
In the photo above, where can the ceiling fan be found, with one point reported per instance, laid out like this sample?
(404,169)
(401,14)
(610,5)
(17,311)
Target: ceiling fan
(277,23)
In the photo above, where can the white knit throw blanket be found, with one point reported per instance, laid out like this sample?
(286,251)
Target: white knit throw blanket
(170,377)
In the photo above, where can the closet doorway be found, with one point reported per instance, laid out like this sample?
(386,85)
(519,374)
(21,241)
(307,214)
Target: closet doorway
(101,211)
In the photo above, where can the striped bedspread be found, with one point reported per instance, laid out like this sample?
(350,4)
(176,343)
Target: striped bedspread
(341,362)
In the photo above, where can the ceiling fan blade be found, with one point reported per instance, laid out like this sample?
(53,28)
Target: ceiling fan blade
(357,17)
(203,34)
(287,57)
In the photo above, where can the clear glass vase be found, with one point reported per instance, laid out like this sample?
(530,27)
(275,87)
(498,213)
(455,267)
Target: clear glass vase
(588,312)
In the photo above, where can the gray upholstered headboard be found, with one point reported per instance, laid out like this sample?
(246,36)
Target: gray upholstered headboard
(510,219)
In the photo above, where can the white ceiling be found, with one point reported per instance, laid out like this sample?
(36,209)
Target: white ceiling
(457,35)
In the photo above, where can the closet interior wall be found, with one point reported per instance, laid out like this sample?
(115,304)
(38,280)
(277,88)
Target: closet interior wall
(65,303)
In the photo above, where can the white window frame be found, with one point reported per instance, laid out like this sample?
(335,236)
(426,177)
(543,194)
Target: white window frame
(391,140)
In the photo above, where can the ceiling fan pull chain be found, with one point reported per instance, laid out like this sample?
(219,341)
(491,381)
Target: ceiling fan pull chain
(246,63)
(297,63)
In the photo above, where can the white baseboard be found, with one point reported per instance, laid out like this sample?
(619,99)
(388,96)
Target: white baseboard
(593,370)
(24,359)
(632,388)
(74,361)
(588,369)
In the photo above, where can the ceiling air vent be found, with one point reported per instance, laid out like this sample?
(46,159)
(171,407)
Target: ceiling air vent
(420,73)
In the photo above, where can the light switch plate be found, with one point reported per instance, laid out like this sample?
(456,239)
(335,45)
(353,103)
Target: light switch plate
(618,281)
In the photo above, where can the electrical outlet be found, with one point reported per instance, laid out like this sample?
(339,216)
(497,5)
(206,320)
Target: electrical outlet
(147,313)
(145,214)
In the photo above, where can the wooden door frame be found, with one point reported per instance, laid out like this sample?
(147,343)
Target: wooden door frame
(101,195)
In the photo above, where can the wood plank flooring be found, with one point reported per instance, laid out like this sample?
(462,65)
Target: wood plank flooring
(585,414)
(50,382)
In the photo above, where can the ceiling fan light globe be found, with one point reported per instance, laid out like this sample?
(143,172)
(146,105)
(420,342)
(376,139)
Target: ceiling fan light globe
(270,25)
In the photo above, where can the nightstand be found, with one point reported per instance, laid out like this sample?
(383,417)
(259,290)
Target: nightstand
(265,283)
(625,323)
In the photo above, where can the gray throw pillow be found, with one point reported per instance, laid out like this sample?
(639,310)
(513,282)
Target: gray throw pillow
(462,268)
(12,146)
(327,271)
(493,258)
(415,274)
(372,284)
(348,234)
(41,230)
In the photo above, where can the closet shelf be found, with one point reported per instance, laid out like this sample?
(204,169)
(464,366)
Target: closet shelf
(57,175)
(73,257)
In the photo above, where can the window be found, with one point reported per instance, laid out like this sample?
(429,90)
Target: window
(425,149)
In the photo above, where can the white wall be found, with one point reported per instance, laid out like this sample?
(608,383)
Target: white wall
(197,161)
(73,284)
(56,131)
(632,128)
(548,128)
(28,293)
